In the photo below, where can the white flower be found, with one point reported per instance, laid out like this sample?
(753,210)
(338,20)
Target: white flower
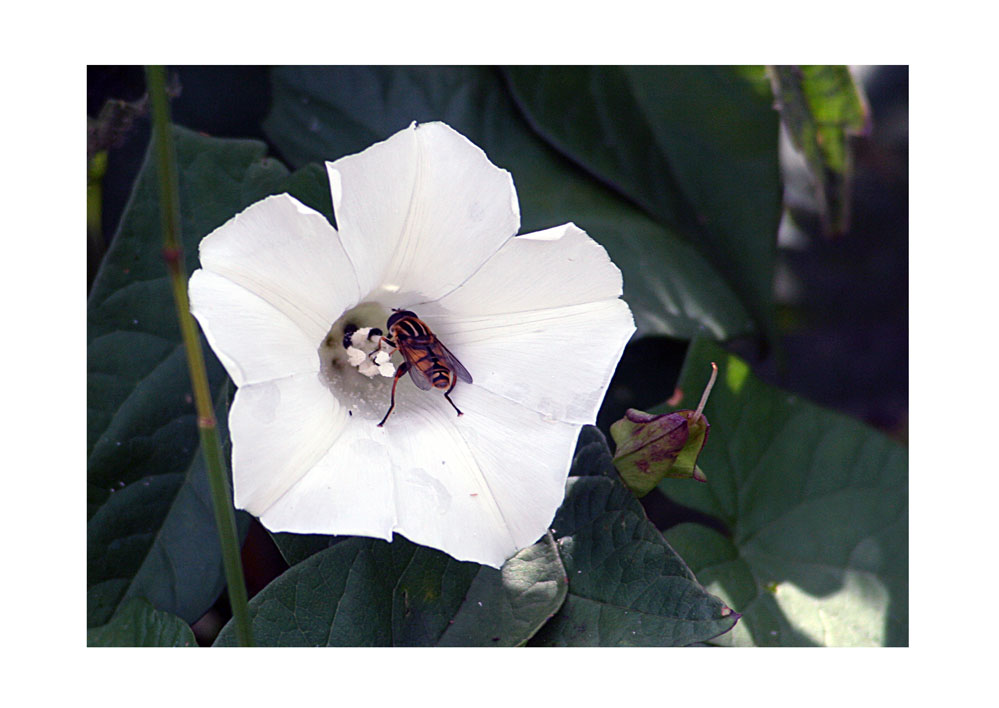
(427,224)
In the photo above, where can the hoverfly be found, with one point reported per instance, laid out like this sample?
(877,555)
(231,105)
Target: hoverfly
(430,364)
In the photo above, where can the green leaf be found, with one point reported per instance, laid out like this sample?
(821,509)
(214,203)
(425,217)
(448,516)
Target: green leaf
(696,147)
(325,113)
(310,185)
(627,587)
(816,507)
(150,529)
(156,538)
(592,456)
(139,624)
(822,108)
(367,592)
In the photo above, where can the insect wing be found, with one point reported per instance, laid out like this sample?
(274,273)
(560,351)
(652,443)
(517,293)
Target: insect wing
(419,378)
(411,353)
(460,371)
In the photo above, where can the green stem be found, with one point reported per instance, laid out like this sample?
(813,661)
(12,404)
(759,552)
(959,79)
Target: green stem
(173,254)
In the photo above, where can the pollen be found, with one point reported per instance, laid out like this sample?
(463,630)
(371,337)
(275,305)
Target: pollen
(355,356)
(366,353)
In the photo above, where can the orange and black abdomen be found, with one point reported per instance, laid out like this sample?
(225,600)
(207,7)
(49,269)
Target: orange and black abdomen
(420,353)
(421,349)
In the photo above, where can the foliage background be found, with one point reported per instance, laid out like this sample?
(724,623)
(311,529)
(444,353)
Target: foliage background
(841,318)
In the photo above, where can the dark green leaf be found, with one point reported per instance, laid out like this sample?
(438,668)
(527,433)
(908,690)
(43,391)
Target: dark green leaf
(156,538)
(150,529)
(138,624)
(817,510)
(696,147)
(627,587)
(311,186)
(296,547)
(822,108)
(592,456)
(366,592)
(325,113)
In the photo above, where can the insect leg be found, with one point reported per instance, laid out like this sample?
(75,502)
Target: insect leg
(454,380)
(399,372)
(382,338)
(378,348)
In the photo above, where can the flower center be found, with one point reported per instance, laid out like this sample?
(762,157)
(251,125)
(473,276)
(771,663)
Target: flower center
(354,366)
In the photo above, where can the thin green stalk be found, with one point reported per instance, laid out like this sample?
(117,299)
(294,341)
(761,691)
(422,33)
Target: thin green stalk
(173,254)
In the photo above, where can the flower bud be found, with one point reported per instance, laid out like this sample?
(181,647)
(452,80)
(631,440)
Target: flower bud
(652,447)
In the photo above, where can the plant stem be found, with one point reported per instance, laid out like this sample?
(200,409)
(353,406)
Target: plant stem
(173,254)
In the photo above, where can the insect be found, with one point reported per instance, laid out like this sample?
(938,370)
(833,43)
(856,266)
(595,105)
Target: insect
(430,364)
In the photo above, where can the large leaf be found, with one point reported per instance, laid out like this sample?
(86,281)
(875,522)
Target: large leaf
(150,530)
(325,113)
(817,510)
(367,592)
(156,538)
(627,587)
(695,146)
(138,624)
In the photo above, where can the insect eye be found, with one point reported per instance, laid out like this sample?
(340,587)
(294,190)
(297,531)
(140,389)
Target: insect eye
(399,315)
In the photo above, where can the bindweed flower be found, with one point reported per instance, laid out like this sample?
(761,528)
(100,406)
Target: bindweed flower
(296,311)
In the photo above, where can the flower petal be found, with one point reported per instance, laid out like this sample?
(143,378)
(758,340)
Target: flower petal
(557,362)
(349,491)
(289,255)
(254,341)
(482,486)
(551,268)
(478,487)
(279,430)
(420,212)
(540,323)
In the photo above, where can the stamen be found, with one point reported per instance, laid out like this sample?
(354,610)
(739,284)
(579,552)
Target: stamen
(365,350)
(348,333)
(707,390)
(350,349)
(355,356)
